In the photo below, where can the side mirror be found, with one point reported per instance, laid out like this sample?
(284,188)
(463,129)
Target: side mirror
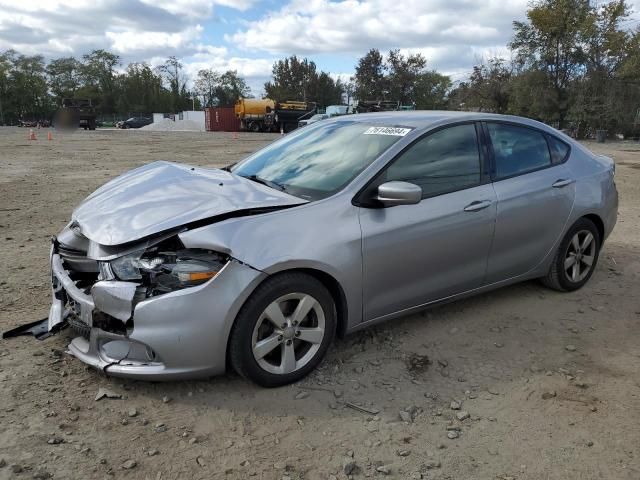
(399,193)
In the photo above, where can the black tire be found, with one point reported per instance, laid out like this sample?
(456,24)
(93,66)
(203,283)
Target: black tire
(254,127)
(558,278)
(240,350)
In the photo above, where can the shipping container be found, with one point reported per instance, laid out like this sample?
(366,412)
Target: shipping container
(221,119)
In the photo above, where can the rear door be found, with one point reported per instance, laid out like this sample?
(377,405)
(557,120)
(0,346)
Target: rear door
(415,254)
(535,192)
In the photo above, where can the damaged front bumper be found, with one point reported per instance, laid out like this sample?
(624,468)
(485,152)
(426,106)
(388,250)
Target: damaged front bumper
(180,334)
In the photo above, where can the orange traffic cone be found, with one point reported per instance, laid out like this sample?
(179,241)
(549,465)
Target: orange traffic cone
(32,135)
(49,136)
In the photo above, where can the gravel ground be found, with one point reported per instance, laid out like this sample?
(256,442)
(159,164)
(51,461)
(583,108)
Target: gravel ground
(521,383)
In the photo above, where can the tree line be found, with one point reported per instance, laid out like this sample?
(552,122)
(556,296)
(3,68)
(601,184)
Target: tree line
(572,63)
(32,89)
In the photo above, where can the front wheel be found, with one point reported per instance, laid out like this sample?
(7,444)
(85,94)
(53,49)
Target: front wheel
(283,331)
(576,257)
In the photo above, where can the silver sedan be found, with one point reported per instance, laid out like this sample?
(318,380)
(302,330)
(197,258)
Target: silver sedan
(171,271)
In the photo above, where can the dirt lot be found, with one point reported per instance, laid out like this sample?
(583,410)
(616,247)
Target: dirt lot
(550,381)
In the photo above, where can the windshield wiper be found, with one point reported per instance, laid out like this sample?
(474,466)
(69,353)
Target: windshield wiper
(229,167)
(268,183)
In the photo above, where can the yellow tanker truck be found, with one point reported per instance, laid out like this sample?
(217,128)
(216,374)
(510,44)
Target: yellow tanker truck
(267,116)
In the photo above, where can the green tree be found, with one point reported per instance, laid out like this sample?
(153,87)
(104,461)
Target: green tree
(489,86)
(64,75)
(597,93)
(141,91)
(400,78)
(370,81)
(430,91)
(349,90)
(403,75)
(6,61)
(181,98)
(299,79)
(28,87)
(220,89)
(171,70)
(99,79)
(550,41)
(531,96)
(205,85)
(327,91)
(232,88)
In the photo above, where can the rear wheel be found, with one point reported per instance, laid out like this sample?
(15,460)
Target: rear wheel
(283,331)
(576,257)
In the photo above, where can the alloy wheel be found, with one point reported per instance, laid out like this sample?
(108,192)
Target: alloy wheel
(288,333)
(580,256)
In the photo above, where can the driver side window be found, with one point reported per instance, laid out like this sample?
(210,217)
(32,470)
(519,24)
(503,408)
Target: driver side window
(441,162)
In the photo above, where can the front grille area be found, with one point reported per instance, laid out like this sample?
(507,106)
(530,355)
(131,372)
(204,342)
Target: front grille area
(83,273)
(79,327)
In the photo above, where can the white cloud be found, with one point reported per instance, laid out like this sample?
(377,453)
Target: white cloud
(255,71)
(140,27)
(137,30)
(220,62)
(354,26)
(198,8)
(130,42)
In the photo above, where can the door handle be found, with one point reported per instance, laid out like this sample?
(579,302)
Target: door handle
(477,205)
(562,183)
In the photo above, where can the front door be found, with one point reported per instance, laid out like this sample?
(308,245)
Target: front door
(415,254)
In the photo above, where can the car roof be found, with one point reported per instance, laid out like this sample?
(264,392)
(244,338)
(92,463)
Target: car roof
(421,119)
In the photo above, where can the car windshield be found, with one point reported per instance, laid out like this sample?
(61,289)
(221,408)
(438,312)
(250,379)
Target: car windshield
(318,116)
(317,161)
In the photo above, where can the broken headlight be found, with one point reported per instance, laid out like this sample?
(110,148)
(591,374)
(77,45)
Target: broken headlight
(162,270)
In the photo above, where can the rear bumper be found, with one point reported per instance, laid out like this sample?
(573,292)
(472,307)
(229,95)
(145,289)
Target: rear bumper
(182,334)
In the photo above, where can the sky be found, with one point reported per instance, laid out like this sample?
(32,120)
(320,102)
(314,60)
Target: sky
(249,35)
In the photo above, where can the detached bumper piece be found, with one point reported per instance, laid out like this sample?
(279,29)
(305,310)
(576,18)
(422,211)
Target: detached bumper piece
(39,329)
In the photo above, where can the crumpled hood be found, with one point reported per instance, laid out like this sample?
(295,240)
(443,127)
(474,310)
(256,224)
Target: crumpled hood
(161,196)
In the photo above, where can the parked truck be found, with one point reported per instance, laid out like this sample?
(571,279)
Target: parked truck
(268,116)
(251,112)
(76,112)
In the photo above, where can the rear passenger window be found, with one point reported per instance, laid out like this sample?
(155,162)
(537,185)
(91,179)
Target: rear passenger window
(559,149)
(517,150)
(444,161)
